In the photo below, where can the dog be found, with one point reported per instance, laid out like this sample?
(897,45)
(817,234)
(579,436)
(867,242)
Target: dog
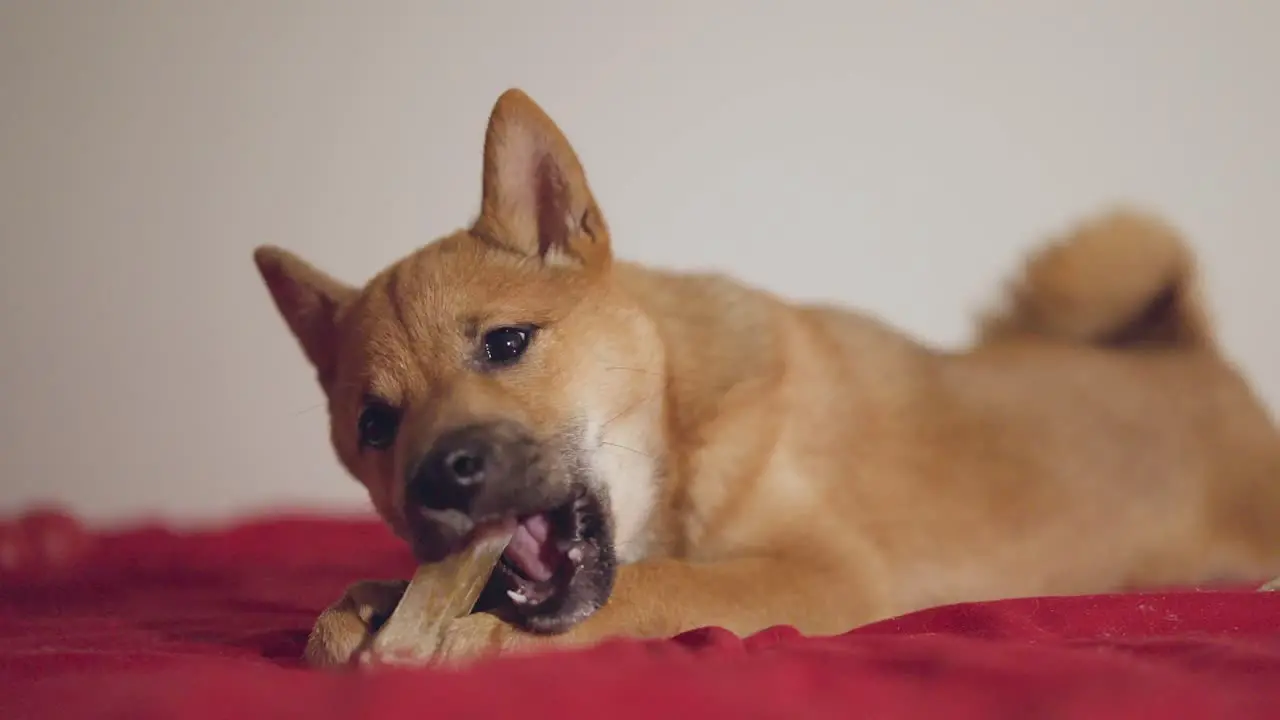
(680,450)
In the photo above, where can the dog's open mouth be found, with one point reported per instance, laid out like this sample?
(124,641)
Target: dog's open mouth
(557,569)
(537,561)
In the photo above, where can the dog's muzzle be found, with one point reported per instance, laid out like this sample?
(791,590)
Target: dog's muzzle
(559,566)
(473,475)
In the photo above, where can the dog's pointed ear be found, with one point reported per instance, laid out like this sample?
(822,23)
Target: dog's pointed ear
(309,300)
(536,200)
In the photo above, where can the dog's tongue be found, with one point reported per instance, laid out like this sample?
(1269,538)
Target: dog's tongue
(530,551)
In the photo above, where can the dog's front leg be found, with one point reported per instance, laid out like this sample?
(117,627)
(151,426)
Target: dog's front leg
(346,628)
(662,598)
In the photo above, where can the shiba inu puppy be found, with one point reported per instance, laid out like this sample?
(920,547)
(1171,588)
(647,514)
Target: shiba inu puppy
(680,450)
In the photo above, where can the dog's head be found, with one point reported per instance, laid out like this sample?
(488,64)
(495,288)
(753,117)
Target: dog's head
(497,375)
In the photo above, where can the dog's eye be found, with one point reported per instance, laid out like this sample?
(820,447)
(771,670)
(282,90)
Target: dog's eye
(377,425)
(505,345)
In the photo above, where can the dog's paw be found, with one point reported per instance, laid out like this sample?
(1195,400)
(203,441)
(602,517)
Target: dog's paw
(1270,586)
(479,636)
(345,629)
(462,642)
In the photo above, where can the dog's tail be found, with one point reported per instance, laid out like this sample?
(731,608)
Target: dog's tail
(1122,280)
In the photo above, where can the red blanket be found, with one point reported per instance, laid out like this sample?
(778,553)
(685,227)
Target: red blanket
(150,623)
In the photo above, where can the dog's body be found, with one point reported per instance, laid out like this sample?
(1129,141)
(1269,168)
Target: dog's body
(708,454)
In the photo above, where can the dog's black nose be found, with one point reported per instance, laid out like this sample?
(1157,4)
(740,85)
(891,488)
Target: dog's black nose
(453,472)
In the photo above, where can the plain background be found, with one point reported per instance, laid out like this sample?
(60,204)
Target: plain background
(898,156)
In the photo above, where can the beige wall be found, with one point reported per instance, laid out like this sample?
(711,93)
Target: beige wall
(910,150)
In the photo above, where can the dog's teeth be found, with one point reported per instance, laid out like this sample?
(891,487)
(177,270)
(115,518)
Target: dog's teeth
(517,597)
(575,554)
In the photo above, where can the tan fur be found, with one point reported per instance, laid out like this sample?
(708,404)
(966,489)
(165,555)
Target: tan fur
(774,463)
(1123,279)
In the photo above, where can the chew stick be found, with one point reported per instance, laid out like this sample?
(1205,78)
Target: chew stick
(437,594)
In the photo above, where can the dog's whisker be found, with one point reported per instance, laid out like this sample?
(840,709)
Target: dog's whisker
(624,447)
(633,369)
(629,409)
